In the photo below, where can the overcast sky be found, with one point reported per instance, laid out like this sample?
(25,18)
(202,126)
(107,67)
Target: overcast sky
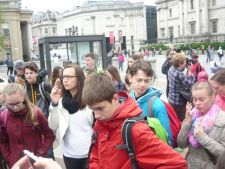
(61,5)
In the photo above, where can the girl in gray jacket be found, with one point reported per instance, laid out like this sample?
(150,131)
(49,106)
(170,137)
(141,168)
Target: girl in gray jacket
(203,129)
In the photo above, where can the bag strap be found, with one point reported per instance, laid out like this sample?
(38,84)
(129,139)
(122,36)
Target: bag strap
(3,123)
(93,141)
(127,138)
(42,90)
(150,105)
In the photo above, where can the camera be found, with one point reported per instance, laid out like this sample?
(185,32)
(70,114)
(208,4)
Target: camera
(188,61)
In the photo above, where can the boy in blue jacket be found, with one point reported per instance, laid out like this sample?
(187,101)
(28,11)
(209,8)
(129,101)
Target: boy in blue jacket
(141,74)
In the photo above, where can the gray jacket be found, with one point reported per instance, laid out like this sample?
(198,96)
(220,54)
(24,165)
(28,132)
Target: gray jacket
(214,142)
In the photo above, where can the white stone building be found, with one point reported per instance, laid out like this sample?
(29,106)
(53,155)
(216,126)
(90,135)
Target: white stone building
(190,20)
(132,24)
(43,24)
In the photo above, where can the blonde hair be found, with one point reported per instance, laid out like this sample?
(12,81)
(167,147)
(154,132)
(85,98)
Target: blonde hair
(172,54)
(203,85)
(13,88)
(178,59)
(2,86)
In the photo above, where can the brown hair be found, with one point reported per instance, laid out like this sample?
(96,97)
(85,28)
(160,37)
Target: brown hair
(13,88)
(32,66)
(97,88)
(203,85)
(219,77)
(178,59)
(55,74)
(91,55)
(145,66)
(114,72)
(80,82)
(135,57)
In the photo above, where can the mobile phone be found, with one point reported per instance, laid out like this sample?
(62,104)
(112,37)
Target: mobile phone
(32,158)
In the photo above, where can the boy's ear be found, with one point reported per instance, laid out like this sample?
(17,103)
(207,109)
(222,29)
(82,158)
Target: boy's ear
(116,97)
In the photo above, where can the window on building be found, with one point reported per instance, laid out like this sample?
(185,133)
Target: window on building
(213,2)
(5,29)
(192,27)
(46,30)
(214,26)
(178,30)
(170,12)
(162,30)
(192,4)
(54,30)
(170,31)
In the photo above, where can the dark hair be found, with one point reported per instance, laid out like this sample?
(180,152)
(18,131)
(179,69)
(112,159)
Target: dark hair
(219,76)
(114,72)
(80,83)
(145,66)
(91,55)
(55,74)
(32,66)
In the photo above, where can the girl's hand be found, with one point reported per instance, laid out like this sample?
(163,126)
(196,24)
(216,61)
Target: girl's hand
(189,113)
(198,131)
(56,94)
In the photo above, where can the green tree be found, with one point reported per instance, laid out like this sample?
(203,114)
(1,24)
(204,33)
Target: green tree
(1,34)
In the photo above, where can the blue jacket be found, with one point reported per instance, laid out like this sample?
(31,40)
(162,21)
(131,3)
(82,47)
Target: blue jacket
(158,108)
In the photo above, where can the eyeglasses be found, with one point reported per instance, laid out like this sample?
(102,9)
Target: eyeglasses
(18,105)
(67,77)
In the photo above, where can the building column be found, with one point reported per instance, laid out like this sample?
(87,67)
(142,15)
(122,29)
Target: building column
(180,5)
(185,24)
(29,39)
(205,17)
(166,22)
(197,13)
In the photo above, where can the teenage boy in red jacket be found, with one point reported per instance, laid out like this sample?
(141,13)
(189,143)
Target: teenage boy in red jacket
(111,110)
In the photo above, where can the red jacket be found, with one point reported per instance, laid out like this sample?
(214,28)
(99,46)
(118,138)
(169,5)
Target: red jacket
(150,152)
(23,136)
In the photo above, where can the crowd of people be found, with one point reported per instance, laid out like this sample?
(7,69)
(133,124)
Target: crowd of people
(85,111)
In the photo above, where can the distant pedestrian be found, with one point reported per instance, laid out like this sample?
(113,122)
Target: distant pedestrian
(220,53)
(9,63)
(121,60)
(209,54)
(90,61)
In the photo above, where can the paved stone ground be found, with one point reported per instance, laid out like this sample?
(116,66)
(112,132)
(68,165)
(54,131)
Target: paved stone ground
(160,82)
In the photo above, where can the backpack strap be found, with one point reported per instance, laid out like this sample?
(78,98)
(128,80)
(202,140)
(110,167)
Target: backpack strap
(42,90)
(127,138)
(93,141)
(150,105)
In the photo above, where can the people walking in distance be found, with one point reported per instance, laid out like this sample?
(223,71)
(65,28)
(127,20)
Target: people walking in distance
(37,88)
(9,64)
(56,75)
(90,61)
(177,78)
(218,83)
(165,68)
(196,66)
(111,110)
(113,73)
(121,60)
(71,118)
(141,74)
(23,126)
(202,130)
(220,53)
(208,54)
(131,60)
(18,75)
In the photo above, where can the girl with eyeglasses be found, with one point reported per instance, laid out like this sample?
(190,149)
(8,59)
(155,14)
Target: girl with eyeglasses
(23,126)
(71,118)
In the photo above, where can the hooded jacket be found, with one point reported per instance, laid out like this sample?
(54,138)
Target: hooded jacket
(19,135)
(149,150)
(158,108)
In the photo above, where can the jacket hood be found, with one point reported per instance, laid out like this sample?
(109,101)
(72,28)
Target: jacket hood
(128,108)
(150,92)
